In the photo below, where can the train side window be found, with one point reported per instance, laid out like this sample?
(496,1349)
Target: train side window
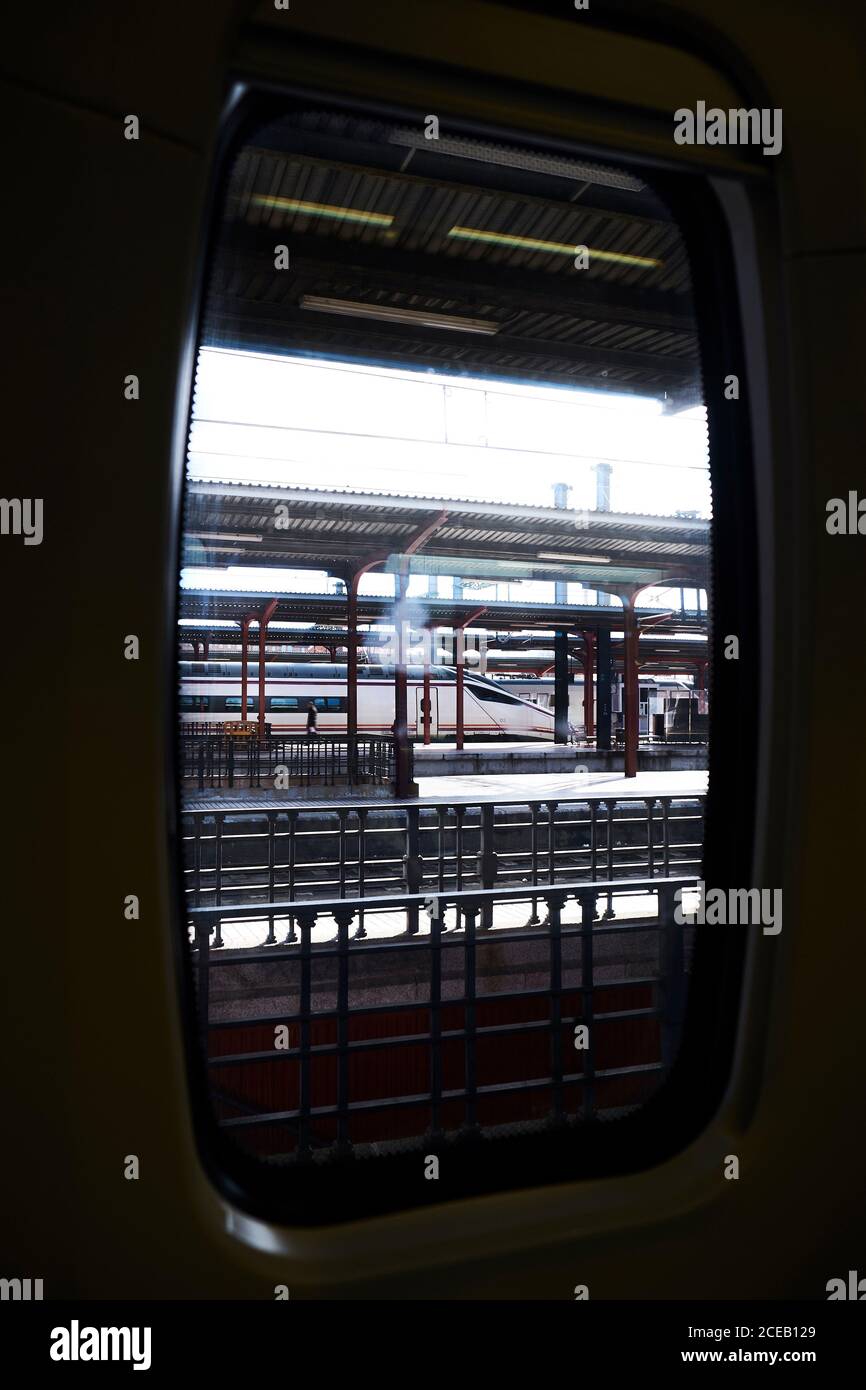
(385,314)
(489,695)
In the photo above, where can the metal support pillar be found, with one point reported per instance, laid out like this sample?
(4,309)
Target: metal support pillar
(401,694)
(245,653)
(588,683)
(352,678)
(702,687)
(560,687)
(631,687)
(264,618)
(459,653)
(460,663)
(426,695)
(603,684)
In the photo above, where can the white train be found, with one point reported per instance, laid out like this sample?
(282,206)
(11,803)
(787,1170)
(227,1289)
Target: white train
(210,693)
(668,697)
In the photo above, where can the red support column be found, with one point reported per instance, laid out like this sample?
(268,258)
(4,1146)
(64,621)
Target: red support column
(245,637)
(401,695)
(702,687)
(589,684)
(264,618)
(426,695)
(352,676)
(631,687)
(458,657)
(206,648)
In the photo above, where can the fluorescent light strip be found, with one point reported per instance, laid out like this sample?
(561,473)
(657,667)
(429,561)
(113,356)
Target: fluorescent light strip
(274,203)
(574,559)
(356,309)
(217,536)
(558,248)
(219,550)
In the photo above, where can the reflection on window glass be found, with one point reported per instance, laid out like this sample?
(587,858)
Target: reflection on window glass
(443,662)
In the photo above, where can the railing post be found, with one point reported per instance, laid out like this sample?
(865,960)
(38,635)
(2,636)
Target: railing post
(666,834)
(535,812)
(196,859)
(362,834)
(306,919)
(218,873)
(650,836)
(271,937)
(342,816)
(470,1115)
(672,972)
(487,861)
(551,841)
(202,936)
(413,867)
(587,994)
(436,927)
(611,807)
(343,918)
(291,935)
(555,903)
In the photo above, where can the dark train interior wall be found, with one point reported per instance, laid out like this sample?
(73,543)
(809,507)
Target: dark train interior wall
(103,262)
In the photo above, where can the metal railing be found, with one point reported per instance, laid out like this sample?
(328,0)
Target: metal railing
(356,851)
(211,760)
(316,1091)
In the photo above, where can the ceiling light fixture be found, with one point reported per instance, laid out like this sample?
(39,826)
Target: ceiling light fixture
(300,205)
(558,248)
(352,308)
(574,559)
(219,536)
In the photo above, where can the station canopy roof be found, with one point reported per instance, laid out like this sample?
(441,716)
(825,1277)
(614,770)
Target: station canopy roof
(656,653)
(219,605)
(266,526)
(452,254)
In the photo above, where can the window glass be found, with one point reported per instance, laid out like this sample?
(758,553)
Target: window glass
(448,437)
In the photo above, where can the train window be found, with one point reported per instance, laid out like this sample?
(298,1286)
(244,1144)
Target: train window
(449,408)
(489,694)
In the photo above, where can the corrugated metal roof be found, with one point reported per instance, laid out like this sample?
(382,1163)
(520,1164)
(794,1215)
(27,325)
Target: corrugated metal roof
(469,235)
(221,604)
(343,532)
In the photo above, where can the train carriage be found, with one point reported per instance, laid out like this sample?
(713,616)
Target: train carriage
(210,693)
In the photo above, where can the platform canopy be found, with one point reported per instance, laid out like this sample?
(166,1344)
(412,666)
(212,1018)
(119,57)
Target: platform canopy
(220,605)
(508,642)
(343,532)
(656,653)
(451,254)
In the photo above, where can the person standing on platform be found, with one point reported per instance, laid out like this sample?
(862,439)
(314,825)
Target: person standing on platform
(312,719)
